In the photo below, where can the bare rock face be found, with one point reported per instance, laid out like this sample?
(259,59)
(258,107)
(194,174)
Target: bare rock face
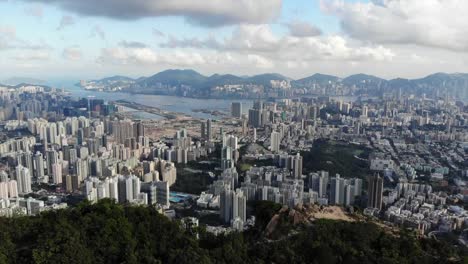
(271,227)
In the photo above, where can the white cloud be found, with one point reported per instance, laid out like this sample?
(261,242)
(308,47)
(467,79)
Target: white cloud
(207,13)
(260,40)
(260,62)
(147,56)
(433,23)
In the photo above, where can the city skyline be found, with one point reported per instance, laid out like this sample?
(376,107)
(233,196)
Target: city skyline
(57,40)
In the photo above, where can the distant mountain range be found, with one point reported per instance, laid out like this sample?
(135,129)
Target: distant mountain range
(173,81)
(46,87)
(21,80)
(193,78)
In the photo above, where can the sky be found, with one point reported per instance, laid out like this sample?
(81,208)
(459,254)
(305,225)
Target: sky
(89,39)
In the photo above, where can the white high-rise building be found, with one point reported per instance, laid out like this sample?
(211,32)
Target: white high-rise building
(239,205)
(275,141)
(233,206)
(3,190)
(57,173)
(319,183)
(128,188)
(337,185)
(23,177)
(113,188)
(12,189)
(230,141)
(297,166)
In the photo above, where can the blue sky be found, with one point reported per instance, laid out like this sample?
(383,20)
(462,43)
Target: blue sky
(296,38)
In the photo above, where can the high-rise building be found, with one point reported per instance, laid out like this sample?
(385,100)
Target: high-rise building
(113,183)
(209,130)
(232,205)
(225,205)
(255,118)
(226,158)
(3,190)
(57,173)
(239,205)
(275,141)
(51,158)
(26,159)
(151,189)
(297,166)
(365,111)
(123,129)
(129,188)
(375,191)
(38,166)
(319,183)
(23,178)
(337,185)
(258,105)
(81,170)
(138,129)
(162,192)
(203,130)
(12,188)
(230,141)
(236,109)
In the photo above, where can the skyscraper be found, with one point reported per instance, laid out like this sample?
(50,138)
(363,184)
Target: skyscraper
(203,130)
(51,158)
(121,130)
(162,192)
(57,173)
(225,205)
(126,189)
(239,205)
(275,141)
(209,130)
(255,118)
(337,185)
(375,190)
(297,166)
(236,109)
(38,166)
(23,178)
(232,205)
(319,183)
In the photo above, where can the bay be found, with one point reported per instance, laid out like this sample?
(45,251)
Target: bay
(177,104)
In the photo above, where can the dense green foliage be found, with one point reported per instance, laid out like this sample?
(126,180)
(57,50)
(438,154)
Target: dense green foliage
(336,157)
(110,233)
(193,177)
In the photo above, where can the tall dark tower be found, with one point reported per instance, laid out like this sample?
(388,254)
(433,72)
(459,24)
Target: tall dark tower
(375,191)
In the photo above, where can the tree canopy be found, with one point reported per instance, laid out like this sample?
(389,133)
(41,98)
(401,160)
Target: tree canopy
(107,232)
